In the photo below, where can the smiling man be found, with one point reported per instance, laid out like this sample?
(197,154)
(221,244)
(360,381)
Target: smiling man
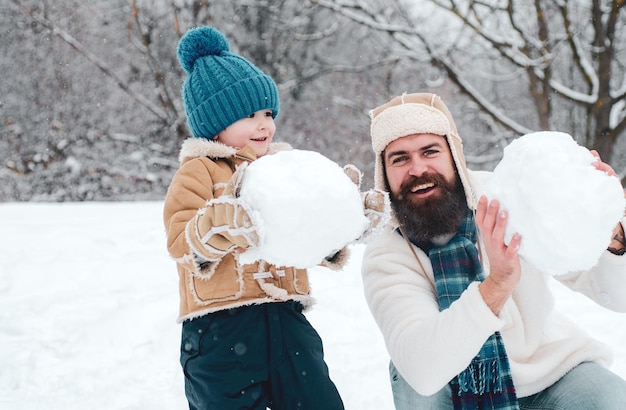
(468,325)
(423,185)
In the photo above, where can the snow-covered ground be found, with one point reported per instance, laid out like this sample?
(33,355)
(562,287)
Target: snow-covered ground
(88,302)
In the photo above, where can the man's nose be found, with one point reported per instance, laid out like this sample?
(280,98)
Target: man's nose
(417,167)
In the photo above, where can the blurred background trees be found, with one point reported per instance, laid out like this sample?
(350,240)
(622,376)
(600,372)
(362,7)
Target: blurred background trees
(90,104)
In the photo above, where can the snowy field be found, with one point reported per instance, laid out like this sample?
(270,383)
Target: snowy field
(88,303)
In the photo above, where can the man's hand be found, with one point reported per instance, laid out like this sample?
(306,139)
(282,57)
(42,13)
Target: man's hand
(618,243)
(504,262)
(617,246)
(602,166)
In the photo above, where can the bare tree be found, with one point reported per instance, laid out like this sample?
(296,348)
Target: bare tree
(564,59)
(98,113)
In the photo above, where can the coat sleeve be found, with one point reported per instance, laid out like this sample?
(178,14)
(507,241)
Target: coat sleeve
(197,222)
(428,347)
(605,283)
(189,191)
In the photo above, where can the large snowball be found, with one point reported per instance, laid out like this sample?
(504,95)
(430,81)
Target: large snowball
(564,208)
(307,206)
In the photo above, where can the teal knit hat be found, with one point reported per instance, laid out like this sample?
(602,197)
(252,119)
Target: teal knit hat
(221,87)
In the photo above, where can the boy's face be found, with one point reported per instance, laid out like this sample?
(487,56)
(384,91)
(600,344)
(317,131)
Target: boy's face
(256,130)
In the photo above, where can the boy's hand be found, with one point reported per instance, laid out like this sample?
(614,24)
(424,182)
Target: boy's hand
(376,204)
(224,224)
(234,184)
(241,227)
(377,209)
(355,175)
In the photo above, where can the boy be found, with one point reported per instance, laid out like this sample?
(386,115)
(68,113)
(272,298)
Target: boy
(245,342)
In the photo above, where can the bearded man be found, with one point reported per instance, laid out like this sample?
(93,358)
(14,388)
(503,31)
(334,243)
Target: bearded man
(467,323)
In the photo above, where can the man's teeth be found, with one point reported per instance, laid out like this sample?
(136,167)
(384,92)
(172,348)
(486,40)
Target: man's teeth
(422,187)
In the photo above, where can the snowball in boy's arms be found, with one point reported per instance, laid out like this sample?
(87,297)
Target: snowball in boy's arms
(563,207)
(306,206)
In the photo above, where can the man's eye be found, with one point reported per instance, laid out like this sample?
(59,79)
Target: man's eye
(397,160)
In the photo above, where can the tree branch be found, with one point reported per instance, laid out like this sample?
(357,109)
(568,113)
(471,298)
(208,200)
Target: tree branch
(402,36)
(69,39)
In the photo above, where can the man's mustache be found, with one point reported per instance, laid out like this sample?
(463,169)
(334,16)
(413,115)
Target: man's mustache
(414,183)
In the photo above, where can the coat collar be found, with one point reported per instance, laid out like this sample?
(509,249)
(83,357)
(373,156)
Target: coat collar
(200,147)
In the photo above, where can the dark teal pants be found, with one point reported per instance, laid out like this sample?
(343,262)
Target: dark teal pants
(255,357)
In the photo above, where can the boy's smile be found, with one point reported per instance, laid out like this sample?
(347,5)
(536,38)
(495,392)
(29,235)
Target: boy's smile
(260,139)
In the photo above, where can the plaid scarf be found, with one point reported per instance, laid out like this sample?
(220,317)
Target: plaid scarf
(486,383)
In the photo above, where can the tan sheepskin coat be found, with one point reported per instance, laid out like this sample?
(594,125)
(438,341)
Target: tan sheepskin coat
(210,275)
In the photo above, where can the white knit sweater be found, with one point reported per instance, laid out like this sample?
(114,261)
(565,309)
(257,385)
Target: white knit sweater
(429,347)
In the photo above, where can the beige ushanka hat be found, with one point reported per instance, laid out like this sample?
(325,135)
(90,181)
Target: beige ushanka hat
(418,113)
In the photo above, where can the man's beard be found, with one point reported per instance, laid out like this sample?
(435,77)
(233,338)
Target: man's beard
(427,218)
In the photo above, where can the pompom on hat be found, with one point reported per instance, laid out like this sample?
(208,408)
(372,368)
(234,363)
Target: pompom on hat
(417,113)
(221,87)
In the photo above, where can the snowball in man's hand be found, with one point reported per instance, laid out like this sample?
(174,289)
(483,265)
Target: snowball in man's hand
(561,205)
(306,207)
